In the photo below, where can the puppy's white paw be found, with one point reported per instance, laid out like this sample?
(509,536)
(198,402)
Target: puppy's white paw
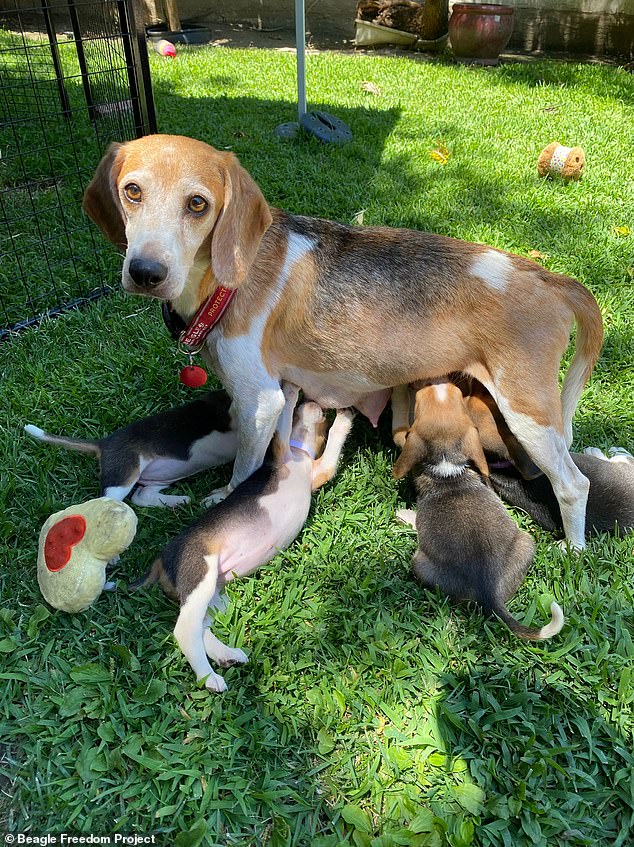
(215,682)
(173,500)
(620,454)
(233,656)
(217,496)
(596,452)
(406,516)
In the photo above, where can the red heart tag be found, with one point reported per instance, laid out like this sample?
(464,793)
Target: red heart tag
(193,377)
(60,540)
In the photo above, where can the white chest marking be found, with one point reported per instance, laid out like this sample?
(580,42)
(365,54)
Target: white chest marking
(242,354)
(440,391)
(495,269)
(447,469)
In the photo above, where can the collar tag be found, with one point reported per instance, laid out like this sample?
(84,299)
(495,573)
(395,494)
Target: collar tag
(192,337)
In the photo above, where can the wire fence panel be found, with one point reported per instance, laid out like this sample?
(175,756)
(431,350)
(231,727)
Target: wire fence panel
(74,76)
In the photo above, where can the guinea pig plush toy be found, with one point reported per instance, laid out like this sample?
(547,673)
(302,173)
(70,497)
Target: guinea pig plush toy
(75,546)
(565,162)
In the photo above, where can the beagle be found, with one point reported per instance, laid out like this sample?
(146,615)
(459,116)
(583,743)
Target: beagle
(262,516)
(468,544)
(154,452)
(610,506)
(344,312)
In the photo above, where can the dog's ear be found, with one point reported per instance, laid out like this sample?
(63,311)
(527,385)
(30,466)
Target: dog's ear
(520,458)
(473,450)
(410,454)
(244,219)
(101,199)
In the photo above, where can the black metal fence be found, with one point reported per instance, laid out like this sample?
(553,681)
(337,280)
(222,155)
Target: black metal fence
(74,76)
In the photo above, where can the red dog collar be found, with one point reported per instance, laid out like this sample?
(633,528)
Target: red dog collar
(193,336)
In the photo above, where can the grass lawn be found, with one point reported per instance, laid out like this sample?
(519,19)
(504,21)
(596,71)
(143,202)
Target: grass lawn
(371,712)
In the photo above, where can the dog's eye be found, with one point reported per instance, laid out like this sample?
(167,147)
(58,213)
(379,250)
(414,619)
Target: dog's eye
(197,204)
(133,192)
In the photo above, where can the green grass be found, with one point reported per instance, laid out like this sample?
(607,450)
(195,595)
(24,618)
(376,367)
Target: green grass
(372,712)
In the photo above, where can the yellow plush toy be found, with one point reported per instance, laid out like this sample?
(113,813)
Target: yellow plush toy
(565,162)
(75,546)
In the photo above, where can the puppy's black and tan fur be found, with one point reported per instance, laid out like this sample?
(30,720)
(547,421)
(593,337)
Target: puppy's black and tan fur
(468,545)
(148,455)
(610,506)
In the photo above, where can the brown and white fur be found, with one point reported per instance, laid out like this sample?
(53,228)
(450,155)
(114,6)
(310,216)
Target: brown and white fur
(146,456)
(262,516)
(345,312)
(468,545)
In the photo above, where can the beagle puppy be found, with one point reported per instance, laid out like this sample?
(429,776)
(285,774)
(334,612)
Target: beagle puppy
(468,544)
(344,312)
(610,506)
(146,456)
(262,516)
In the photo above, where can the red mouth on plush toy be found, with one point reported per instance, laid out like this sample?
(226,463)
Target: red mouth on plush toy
(60,540)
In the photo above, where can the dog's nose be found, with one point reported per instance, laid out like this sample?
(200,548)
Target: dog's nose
(147,273)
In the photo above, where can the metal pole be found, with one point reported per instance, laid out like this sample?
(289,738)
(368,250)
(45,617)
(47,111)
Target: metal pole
(300,45)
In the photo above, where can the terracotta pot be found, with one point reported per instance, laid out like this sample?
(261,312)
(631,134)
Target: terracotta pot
(478,32)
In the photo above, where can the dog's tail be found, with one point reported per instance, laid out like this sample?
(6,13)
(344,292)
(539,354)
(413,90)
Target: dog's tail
(83,445)
(151,576)
(552,628)
(587,348)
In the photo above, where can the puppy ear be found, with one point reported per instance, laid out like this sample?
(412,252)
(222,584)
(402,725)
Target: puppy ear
(520,458)
(101,199)
(474,452)
(244,219)
(406,461)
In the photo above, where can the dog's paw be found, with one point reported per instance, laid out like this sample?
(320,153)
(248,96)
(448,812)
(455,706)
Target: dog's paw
(564,546)
(596,452)
(151,495)
(233,656)
(620,454)
(214,682)
(406,516)
(217,496)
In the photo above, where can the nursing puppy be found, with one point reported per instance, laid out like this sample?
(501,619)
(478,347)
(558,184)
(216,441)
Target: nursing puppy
(468,545)
(344,312)
(610,506)
(261,517)
(150,454)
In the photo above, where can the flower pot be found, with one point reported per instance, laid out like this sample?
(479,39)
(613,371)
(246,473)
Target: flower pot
(478,32)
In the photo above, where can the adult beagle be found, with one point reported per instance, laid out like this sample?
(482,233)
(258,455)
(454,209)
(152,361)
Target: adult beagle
(344,312)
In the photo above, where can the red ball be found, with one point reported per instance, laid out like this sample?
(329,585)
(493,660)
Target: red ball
(193,377)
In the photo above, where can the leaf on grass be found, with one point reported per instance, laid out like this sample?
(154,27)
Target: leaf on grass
(72,702)
(7,645)
(150,692)
(325,741)
(471,797)
(91,674)
(371,88)
(192,837)
(356,817)
(537,254)
(622,231)
(440,153)
(40,614)
(423,822)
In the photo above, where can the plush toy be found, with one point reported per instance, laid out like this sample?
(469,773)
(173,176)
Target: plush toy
(75,546)
(565,162)
(165,48)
